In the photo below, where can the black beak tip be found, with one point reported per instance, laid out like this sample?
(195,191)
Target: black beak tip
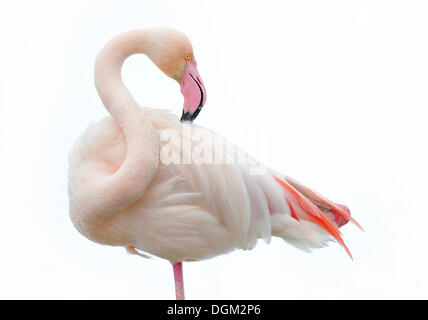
(188,117)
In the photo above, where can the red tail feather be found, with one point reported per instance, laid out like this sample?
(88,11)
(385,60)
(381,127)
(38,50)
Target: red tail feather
(307,210)
(321,200)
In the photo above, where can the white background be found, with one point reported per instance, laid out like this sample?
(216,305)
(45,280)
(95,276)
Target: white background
(332,93)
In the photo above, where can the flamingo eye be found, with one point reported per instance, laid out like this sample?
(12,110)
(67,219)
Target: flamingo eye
(187,57)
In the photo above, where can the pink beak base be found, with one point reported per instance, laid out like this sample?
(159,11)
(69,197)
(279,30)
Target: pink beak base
(193,91)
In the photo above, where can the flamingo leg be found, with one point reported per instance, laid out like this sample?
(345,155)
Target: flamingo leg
(178,277)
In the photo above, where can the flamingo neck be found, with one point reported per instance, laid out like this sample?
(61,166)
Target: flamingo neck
(108,80)
(125,186)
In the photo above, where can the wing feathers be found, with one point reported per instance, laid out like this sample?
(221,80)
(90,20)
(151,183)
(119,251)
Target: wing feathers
(316,197)
(306,210)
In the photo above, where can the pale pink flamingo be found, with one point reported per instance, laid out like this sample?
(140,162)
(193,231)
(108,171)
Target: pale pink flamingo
(121,194)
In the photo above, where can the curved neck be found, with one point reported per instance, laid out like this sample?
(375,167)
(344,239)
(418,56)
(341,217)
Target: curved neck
(122,188)
(108,66)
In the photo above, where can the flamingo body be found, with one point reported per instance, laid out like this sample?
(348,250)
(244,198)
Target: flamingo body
(188,212)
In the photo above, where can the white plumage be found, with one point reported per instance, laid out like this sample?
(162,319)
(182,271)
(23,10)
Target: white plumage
(188,212)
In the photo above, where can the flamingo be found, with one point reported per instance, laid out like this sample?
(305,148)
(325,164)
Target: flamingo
(121,193)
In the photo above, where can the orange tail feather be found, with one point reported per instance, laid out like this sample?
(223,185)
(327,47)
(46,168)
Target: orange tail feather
(314,196)
(311,212)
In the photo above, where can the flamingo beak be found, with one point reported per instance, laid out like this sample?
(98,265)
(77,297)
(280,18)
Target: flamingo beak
(193,91)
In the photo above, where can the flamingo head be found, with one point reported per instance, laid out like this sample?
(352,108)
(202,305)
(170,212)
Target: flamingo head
(172,52)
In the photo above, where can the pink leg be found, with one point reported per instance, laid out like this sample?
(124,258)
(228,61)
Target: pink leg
(178,277)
